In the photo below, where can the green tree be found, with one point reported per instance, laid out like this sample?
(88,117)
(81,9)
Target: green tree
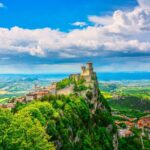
(27,134)
(5,121)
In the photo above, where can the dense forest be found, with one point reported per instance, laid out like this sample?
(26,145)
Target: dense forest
(62,122)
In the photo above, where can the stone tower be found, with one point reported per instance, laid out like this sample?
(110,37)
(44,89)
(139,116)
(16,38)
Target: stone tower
(83,68)
(90,67)
(88,70)
(87,73)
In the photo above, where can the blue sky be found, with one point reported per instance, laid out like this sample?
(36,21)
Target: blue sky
(114,34)
(56,13)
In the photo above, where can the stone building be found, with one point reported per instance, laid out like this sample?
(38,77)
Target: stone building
(52,88)
(144,122)
(37,94)
(8,105)
(66,91)
(87,73)
(76,77)
(30,97)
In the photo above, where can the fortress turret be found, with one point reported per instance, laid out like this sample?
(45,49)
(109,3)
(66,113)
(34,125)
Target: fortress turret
(83,68)
(90,67)
(87,73)
(88,70)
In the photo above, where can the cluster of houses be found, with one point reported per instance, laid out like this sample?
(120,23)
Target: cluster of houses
(143,123)
(8,105)
(128,122)
(38,93)
(125,133)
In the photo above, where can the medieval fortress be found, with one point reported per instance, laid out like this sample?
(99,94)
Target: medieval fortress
(87,74)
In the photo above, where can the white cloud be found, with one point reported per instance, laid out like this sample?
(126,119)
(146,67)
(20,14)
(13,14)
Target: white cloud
(104,20)
(34,42)
(122,32)
(80,24)
(144,4)
(2,5)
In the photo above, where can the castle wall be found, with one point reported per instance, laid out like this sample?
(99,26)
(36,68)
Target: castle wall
(86,73)
(65,91)
(87,78)
(75,77)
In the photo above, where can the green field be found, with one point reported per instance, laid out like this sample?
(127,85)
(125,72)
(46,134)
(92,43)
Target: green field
(133,95)
(4,100)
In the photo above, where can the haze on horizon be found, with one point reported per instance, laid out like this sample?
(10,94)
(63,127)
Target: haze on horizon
(57,36)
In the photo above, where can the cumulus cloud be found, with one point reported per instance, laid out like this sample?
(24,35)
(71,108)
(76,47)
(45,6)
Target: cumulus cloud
(2,5)
(123,32)
(80,24)
(104,20)
(144,4)
(34,42)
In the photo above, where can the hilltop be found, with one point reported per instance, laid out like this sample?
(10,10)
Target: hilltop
(70,114)
(84,84)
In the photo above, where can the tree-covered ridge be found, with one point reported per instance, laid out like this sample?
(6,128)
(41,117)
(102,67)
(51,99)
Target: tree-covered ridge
(63,121)
(64,83)
(78,85)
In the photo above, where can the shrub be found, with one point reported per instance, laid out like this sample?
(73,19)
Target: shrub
(89,94)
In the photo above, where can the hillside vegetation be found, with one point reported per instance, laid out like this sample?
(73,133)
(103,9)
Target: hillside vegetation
(56,122)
